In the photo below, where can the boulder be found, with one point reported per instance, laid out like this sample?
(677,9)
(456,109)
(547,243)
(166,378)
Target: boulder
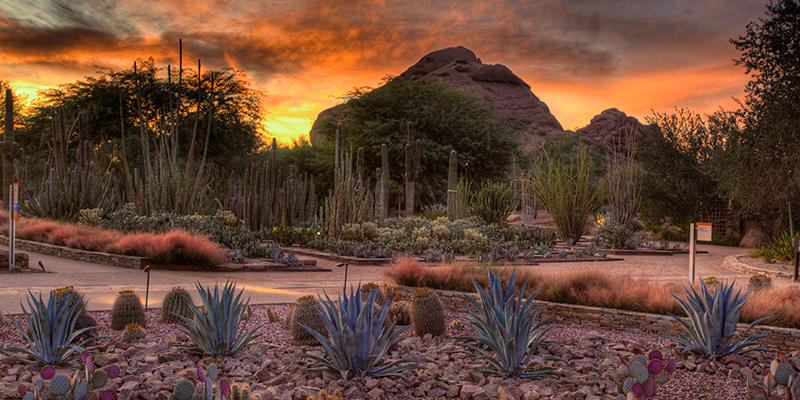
(615,129)
(754,238)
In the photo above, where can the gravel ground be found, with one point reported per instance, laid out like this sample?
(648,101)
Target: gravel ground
(590,358)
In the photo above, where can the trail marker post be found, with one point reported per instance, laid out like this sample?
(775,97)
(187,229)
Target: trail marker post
(697,231)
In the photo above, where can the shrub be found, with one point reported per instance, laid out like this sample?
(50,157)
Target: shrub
(494,202)
(614,235)
(568,193)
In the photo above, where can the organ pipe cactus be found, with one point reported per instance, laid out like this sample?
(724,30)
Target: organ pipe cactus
(385,181)
(712,321)
(9,148)
(452,182)
(413,161)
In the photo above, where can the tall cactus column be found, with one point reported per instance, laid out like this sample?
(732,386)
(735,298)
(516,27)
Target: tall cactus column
(385,180)
(413,160)
(9,147)
(452,181)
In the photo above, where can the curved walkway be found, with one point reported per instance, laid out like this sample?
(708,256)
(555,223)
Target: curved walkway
(100,283)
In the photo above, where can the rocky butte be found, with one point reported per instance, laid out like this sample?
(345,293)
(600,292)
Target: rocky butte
(510,97)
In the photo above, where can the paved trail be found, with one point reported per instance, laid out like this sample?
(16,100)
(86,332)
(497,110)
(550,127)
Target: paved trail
(101,283)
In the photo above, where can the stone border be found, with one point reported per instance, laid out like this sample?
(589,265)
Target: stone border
(628,321)
(336,257)
(732,263)
(114,260)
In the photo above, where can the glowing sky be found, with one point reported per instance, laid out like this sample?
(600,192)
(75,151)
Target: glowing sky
(579,56)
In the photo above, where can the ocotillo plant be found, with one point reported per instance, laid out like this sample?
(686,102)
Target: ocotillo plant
(413,160)
(452,181)
(9,148)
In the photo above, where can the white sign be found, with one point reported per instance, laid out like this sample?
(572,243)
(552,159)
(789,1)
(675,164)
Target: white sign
(704,231)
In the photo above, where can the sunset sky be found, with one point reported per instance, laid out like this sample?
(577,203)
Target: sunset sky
(580,57)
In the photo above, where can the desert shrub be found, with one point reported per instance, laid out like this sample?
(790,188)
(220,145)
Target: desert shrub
(494,202)
(434,212)
(568,192)
(614,235)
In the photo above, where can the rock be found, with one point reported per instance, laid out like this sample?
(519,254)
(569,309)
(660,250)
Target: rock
(505,92)
(305,392)
(754,237)
(504,394)
(375,393)
(128,389)
(469,391)
(614,128)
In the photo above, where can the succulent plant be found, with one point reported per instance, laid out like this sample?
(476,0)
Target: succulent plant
(431,255)
(638,376)
(306,313)
(507,335)
(61,293)
(176,303)
(287,319)
(85,384)
(392,292)
(427,313)
(760,282)
(133,333)
(127,309)
(242,393)
(216,330)
(272,316)
(712,322)
(367,288)
(358,339)
(457,325)
(781,382)
(50,330)
(400,313)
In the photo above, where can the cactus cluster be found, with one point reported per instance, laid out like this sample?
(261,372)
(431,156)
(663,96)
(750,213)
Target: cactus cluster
(176,303)
(185,389)
(427,313)
(760,282)
(306,312)
(272,316)
(637,378)
(127,310)
(242,393)
(780,383)
(457,325)
(86,384)
(400,313)
(287,319)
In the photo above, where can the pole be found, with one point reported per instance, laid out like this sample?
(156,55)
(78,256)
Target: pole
(147,291)
(11,228)
(692,250)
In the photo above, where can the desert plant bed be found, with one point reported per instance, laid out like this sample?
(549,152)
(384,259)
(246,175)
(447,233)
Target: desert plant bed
(152,367)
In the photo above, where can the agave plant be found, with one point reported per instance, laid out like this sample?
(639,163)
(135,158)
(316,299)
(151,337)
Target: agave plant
(507,335)
(217,330)
(359,338)
(712,322)
(51,330)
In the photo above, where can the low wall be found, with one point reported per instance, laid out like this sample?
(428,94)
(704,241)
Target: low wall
(629,321)
(114,260)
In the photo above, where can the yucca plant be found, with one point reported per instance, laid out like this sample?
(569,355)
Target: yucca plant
(51,330)
(217,330)
(507,335)
(712,322)
(358,338)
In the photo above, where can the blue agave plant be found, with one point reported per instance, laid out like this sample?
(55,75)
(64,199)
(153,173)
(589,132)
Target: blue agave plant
(507,335)
(359,338)
(712,322)
(217,331)
(52,330)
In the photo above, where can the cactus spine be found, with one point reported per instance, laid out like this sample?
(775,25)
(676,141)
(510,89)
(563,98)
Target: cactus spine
(413,161)
(452,182)
(385,179)
(427,313)
(306,312)
(127,310)
(176,303)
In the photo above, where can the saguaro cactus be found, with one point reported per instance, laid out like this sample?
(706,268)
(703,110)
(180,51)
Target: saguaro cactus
(9,147)
(385,180)
(379,194)
(413,160)
(452,182)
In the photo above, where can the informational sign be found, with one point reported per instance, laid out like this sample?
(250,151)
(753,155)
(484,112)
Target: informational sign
(704,231)
(15,201)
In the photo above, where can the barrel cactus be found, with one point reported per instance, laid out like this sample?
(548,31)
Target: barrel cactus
(176,303)
(133,333)
(306,312)
(427,313)
(380,299)
(60,293)
(127,310)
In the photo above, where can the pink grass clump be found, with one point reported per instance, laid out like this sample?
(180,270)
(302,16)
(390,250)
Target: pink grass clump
(783,304)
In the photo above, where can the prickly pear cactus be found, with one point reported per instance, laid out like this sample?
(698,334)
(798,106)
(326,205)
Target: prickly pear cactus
(427,313)
(306,312)
(781,382)
(367,288)
(638,376)
(176,303)
(127,310)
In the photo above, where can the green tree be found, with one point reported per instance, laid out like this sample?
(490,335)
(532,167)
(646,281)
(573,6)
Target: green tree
(444,119)
(759,166)
(679,182)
